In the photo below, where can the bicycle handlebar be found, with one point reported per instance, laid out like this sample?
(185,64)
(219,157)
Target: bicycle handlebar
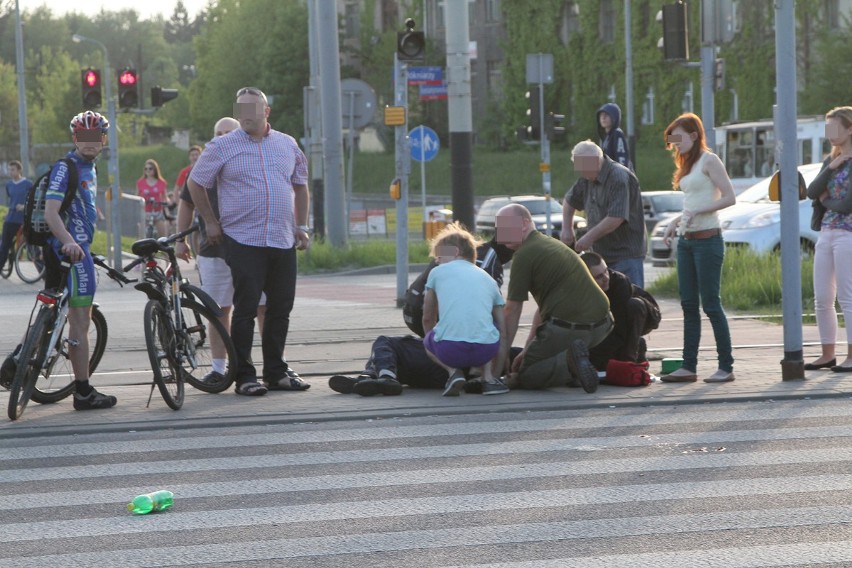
(116,275)
(163,243)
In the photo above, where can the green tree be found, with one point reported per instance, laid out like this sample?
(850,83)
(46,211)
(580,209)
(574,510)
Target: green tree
(274,58)
(828,84)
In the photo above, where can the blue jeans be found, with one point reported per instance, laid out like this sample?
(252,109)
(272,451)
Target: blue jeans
(633,268)
(699,276)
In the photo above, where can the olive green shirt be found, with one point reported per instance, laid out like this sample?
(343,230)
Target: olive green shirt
(558,280)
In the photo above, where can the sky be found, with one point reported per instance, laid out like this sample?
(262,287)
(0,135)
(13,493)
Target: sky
(146,9)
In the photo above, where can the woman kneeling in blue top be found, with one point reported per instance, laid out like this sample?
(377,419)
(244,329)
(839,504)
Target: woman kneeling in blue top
(463,313)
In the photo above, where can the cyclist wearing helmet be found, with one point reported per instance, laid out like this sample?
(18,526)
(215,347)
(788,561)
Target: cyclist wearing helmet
(72,237)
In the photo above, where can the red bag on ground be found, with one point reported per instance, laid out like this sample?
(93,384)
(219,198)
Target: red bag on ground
(627,373)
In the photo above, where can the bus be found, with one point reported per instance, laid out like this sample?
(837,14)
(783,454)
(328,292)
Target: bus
(748,149)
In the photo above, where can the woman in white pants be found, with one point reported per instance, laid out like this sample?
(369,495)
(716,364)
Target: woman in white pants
(832,265)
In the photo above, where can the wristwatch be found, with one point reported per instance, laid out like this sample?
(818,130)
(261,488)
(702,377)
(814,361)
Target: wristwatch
(304,228)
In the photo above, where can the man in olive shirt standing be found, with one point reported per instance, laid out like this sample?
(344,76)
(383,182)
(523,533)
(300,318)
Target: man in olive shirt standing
(573,312)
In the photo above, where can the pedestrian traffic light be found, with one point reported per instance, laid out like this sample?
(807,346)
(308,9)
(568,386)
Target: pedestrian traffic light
(410,45)
(160,96)
(90,82)
(128,88)
(675,32)
(553,125)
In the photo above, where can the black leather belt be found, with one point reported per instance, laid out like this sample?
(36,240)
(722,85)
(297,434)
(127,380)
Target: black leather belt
(579,326)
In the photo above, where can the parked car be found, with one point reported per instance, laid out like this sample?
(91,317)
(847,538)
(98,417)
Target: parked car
(537,205)
(754,221)
(660,205)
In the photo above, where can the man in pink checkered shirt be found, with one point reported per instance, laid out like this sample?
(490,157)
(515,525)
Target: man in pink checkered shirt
(263,218)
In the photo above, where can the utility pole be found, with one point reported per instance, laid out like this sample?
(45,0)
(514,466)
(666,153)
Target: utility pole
(459,107)
(628,80)
(332,122)
(23,127)
(792,366)
(402,171)
(313,125)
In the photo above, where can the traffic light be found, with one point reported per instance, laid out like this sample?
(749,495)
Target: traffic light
(675,32)
(90,82)
(533,128)
(160,96)
(553,125)
(128,89)
(719,75)
(410,45)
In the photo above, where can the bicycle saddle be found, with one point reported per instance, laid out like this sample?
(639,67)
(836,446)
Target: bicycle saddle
(146,247)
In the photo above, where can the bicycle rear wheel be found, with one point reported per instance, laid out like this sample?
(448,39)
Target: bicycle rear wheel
(204,334)
(29,363)
(57,380)
(160,340)
(29,263)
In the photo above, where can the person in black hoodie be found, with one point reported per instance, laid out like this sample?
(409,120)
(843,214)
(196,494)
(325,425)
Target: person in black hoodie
(612,139)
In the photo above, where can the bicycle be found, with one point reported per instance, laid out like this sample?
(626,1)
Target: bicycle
(44,371)
(26,259)
(152,217)
(181,324)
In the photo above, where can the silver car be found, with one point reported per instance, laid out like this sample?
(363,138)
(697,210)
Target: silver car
(754,221)
(537,205)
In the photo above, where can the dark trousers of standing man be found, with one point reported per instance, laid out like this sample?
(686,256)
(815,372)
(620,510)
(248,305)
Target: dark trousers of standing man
(256,270)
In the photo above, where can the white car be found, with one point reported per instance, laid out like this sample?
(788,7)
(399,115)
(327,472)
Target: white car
(754,221)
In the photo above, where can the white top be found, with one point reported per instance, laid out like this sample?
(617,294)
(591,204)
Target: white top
(699,191)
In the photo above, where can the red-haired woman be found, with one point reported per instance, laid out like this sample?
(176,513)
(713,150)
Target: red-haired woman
(707,189)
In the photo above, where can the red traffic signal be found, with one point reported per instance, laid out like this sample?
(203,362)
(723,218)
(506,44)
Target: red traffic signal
(90,84)
(128,91)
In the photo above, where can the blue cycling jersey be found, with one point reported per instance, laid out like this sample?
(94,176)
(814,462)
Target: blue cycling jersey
(82,214)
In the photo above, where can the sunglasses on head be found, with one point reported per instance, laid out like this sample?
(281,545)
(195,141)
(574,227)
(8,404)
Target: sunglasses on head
(252,91)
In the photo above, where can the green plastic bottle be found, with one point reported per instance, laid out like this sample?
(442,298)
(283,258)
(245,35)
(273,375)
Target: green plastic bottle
(152,502)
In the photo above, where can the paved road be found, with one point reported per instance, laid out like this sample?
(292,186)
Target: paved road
(745,485)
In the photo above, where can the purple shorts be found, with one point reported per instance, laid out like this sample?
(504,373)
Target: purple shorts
(460,354)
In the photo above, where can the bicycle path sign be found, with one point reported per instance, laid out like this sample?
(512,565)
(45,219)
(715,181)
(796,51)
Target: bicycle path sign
(424,143)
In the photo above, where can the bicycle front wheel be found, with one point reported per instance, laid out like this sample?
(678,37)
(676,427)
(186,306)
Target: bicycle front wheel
(29,263)
(30,361)
(161,343)
(206,338)
(57,380)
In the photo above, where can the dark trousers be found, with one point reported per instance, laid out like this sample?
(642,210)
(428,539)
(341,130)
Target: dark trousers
(256,270)
(623,343)
(406,357)
(9,232)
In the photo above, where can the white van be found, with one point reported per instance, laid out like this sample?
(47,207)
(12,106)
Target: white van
(748,148)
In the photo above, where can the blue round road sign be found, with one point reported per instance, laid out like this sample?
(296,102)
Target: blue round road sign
(424,144)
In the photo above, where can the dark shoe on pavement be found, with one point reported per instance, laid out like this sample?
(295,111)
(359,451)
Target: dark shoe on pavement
(94,401)
(680,376)
(817,366)
(494,386)
(474,386)
(455,384)
(581,367)
(385,386)
(250,388)
(213,377)
(343,384)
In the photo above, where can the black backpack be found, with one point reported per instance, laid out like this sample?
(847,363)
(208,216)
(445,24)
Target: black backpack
(36,230)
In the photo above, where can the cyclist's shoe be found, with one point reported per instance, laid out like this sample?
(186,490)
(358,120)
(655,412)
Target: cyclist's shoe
(213,378)
(94,401)
(8,369)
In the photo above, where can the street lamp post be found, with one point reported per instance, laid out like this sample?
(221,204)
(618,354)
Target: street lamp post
(115,188)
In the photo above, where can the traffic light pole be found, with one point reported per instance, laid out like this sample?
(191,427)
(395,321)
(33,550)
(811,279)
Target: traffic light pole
(545,156)
(114,194)
(403,170)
